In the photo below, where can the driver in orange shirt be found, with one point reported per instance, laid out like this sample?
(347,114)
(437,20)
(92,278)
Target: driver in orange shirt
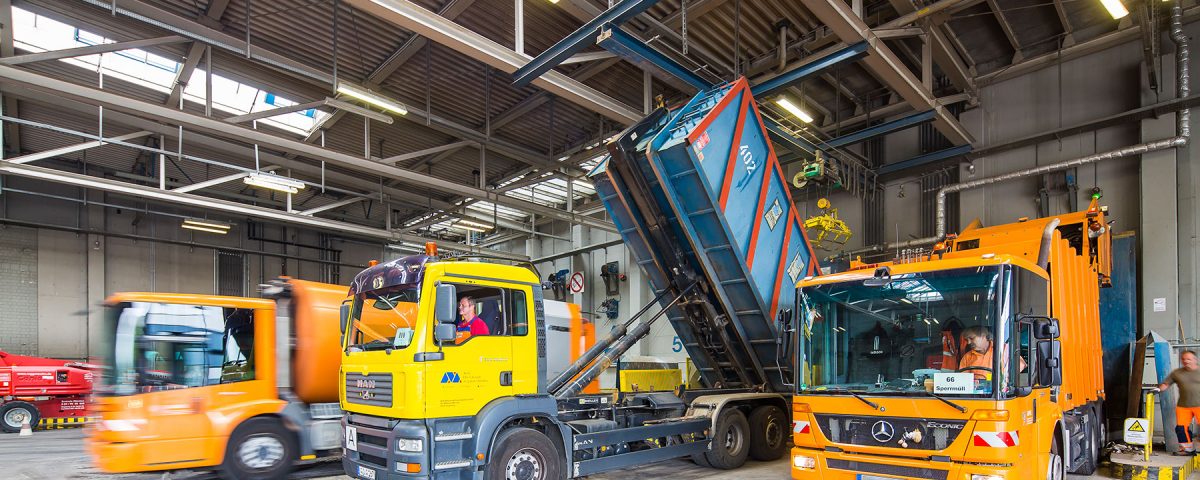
(978,358)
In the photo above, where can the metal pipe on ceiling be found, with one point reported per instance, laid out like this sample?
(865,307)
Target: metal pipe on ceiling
(88,95)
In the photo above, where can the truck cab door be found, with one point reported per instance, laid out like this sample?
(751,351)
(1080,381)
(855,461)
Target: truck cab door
(474,369)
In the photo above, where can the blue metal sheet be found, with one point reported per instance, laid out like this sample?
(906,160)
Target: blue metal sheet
(848,54)
(883,129)
(634,51)
(1118,325)
(582,38)
(925,159)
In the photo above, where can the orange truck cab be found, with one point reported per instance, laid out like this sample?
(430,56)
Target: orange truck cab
(980,361)
(248,385)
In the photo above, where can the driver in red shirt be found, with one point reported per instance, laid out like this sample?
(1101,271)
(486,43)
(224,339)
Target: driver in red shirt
(470,325)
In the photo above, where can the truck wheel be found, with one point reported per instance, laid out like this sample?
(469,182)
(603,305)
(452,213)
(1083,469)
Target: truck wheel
(13,413)
(768,433)
(731,438)
(261,448)
(1091,449)
(1054,465)
(524,454)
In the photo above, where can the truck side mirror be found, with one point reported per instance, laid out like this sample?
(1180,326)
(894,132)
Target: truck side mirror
(344,316)
(444,332)
(1049,363)
(444,304)
(1044,328)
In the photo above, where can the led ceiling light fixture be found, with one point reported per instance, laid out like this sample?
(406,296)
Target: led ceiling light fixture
(274,182)
(366,95)
(1115,8)
(794,110)
(204,225)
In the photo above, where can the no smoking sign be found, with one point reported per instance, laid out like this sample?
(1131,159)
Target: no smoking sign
(576,284)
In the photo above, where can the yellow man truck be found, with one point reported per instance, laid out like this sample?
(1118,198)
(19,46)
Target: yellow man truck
(979,361)
(703,206)
(248,385)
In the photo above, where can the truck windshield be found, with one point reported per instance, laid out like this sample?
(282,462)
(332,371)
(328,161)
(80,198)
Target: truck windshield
(922,334)
(161,346)
(383,319)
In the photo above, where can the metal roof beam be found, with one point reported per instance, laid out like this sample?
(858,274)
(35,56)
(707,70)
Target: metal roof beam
(1007,29)
(411,16)
(921,160)
(816,66)
(451,10)
(57,152)
(214,12)
(331,206)
(91,50)
(212,204)
(429,151)
(884,63)
(634,51)
(882,129)
(220,180)
(92,96)
(582,38)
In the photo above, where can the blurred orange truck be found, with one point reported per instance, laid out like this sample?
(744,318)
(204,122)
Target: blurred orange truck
(980,361)
(248,385)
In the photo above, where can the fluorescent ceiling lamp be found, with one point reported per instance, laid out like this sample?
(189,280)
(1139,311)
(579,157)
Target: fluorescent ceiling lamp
(475,224)
(274,182)
(1115,8)
(372,98)
(202,223)
(462,226)
(794,110)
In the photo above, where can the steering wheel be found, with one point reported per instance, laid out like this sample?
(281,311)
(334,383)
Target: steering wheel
(986,369)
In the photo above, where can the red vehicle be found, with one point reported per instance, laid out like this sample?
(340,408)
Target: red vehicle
(36,388)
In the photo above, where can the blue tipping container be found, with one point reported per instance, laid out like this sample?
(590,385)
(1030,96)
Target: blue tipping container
(699,190)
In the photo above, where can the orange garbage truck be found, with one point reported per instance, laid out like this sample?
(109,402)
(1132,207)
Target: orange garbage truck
(246,385)
(978,361)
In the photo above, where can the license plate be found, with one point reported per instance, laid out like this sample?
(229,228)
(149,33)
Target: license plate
(861,477)
(364,472)
(352,441)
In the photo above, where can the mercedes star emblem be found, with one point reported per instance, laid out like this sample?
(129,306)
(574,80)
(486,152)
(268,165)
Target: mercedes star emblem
(882,431)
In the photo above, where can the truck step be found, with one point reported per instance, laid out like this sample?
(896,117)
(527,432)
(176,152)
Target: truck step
(449,464)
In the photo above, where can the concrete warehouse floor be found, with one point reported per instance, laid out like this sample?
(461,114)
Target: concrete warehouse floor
(59,454)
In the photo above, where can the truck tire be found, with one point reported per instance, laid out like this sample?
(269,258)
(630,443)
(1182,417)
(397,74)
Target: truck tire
(1091,449)
(524,454)
(768,433)
(1055,469)
(12,413)
(731,439)
(260,448)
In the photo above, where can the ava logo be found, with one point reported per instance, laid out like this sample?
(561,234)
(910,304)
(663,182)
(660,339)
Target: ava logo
(450,377)
(883,431)
(377,283)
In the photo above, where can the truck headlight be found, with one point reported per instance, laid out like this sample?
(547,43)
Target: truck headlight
(987,477)
(409,444)
(807,462)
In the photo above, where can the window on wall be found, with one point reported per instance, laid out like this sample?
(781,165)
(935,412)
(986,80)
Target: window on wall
(231,273)
(36,33)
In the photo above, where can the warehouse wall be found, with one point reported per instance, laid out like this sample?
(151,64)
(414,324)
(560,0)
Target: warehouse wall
(52,281)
